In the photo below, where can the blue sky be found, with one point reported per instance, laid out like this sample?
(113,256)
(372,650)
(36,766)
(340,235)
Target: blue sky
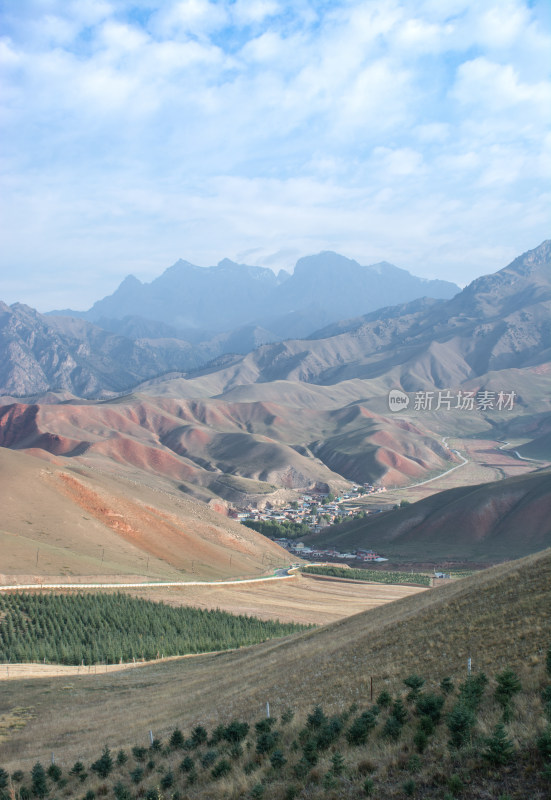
(137,133)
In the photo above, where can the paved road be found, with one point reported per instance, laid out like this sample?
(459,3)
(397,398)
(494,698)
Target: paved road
(281,574)
(518,455)
(442,474)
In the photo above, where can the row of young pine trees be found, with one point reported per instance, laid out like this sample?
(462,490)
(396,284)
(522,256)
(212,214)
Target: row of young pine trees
(325,756)
(109,628)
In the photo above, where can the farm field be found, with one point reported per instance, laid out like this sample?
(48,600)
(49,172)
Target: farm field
(430,633)
(304,599)
(486,463)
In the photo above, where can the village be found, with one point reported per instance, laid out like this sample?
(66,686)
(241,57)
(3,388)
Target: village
(313,512)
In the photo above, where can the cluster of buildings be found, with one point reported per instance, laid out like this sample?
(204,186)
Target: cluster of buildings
(328,554)
(316,510)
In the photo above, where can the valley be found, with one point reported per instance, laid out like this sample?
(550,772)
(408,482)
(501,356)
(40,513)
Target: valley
(141,492)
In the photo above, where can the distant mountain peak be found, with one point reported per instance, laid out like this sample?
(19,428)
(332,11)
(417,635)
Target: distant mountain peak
(130,281)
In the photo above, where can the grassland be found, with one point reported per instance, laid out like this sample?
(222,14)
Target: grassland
(499,617)
(476,738)
(303,599)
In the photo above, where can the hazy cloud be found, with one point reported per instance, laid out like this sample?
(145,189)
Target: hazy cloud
(411,130)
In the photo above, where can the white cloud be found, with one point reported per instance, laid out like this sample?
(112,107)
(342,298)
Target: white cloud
(496,88)
(245,12)
(398,129)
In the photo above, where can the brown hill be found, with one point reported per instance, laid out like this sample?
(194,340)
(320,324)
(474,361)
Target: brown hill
(498,322)
(74,523)
(485,523)
(499,617)
(213,447)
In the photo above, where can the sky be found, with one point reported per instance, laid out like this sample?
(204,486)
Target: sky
(138,133)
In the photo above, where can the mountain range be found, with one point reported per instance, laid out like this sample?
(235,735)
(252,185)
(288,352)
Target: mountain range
(290,414)
(201,302)
(186,318)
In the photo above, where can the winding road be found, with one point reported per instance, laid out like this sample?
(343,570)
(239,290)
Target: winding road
(280,574)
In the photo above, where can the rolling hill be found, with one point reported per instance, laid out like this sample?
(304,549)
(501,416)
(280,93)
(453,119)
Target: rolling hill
(485,524)
(80,523)
(238,451)
(499,617)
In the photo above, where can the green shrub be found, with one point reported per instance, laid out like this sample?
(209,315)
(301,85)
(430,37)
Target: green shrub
(328,733)
(548,661)
(384,699)
(426,725)
(317,718)
(430,705)
(236,731)
(420,740)
(187,764)
(399,711)
(39,784)
(176,740)
(198,736)
(266,742)
(287,716)
(257,792)
(122,758)
(302,768)
(4,777)
(310,752)
(414,763)
(455,784)
(446,685)
(208,758)
(139,753)
(392,728)
(121,791)
(368,786)
(472,691)
(137,774)
(329,781)
(508,684)
(414,683)
(337,763)
(264,725)
(167,781)
(359,731)
(460,723)
(543,743)
(18,775)
(409,787)
(277,759)
(236,751)
(499,749)
(217,735)
(54,772)
(222,768)
(104,764)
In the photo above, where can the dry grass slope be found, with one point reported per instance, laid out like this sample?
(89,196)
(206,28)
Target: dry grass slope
(499,617)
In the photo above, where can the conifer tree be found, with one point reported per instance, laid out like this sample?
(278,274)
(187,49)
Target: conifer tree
(499,749)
